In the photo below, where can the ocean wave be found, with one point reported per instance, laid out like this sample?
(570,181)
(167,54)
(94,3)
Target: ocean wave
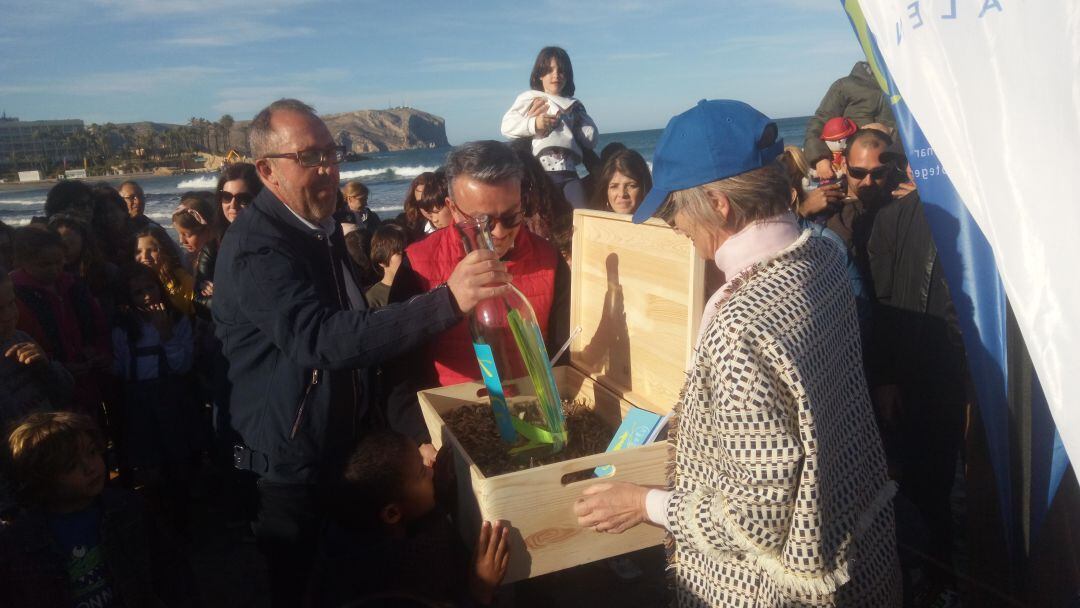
(23,202)
(206,182)
(394,170)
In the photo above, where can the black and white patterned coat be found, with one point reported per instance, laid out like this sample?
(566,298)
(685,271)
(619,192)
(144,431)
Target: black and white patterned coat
(780,490)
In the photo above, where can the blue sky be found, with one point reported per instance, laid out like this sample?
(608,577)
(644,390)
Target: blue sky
(636,62)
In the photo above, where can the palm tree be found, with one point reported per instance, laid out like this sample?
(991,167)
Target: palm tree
(145,141)
(227,123)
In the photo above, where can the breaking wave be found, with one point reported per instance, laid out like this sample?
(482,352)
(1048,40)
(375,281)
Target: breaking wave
(389,172)
(205,182)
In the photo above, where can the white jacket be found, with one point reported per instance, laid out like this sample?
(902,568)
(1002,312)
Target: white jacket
(516,124)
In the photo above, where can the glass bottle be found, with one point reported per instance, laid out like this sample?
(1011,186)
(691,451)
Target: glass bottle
(513,360)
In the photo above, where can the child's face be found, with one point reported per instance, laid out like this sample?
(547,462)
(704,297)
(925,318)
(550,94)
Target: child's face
(440,217)
(418,491)
(73,243)
(357,202)
(191,240)
(9,310)
(148,252)
(554,80)
(86,479)
(144,293)
(46,266)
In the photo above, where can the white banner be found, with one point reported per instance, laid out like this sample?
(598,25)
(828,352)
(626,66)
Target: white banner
(995,86)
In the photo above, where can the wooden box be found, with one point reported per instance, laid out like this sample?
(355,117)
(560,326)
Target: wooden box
(637,293)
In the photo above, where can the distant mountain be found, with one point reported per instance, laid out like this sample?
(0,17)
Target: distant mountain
(359,131)
(387,130)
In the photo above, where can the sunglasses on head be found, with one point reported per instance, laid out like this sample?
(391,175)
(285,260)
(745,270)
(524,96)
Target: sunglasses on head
(858,173)
(242,198)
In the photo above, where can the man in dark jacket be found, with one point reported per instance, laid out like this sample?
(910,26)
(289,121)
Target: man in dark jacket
(299,338)
(856,96)
(917,373)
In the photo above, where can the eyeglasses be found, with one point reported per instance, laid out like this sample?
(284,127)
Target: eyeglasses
(132,197)
(242,198)
(333,155)
(859,174)
(506,220)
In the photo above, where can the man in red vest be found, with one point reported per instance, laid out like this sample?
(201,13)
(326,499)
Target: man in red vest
(484,178)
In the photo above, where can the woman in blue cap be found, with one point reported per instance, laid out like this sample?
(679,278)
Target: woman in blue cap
(778,494)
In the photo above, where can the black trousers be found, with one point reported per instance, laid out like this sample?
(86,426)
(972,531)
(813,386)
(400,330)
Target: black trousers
(287,531)
(930,435)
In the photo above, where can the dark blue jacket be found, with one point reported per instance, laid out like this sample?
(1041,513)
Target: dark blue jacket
(301,362)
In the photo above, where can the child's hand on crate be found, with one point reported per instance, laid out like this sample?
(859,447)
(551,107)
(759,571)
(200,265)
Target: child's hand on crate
(490,559)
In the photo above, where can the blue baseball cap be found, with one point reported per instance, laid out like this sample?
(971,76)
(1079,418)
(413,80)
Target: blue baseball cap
(710,141)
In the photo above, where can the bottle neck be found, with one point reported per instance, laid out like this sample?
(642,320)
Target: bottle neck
(475,234)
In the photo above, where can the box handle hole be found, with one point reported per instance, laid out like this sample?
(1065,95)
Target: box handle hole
(599,472)
(509,391)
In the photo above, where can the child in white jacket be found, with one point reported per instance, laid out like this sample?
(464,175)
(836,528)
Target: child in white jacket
(549,114)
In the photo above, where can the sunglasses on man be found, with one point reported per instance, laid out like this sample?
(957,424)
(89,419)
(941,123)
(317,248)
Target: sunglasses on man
(242,198)
(506,220)
(315,157)
(858,173)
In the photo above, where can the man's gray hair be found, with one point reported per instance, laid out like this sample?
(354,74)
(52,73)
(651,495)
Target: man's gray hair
(261,136)
(487,161)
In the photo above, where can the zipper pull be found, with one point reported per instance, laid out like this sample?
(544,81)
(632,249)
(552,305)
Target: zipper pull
(315,377)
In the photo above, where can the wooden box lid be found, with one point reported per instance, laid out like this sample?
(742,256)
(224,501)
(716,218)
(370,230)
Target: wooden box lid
(637,291)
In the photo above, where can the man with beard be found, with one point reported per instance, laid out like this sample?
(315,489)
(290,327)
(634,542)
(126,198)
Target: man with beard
(299,338)
(871,178)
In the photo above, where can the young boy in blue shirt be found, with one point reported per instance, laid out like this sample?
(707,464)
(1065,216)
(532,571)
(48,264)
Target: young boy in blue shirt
(77,542)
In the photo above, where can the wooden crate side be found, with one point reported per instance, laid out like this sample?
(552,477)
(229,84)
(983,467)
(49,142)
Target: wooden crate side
(637,293)
(539,507)
(545,536)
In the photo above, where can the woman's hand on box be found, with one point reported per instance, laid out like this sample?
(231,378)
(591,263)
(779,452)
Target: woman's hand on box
(611,507)
(490,559)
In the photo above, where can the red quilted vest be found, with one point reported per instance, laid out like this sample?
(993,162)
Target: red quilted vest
(531,262)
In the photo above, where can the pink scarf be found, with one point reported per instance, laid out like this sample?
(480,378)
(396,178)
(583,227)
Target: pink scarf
(757,242)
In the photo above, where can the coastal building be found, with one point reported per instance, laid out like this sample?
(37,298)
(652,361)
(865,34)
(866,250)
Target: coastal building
(33,143)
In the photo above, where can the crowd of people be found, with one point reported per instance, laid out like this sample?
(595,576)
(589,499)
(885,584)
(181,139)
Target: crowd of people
(277,345)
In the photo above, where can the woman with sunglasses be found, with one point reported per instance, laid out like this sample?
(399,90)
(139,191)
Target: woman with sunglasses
(237,186)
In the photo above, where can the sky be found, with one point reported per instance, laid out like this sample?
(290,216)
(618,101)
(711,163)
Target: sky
(636,62)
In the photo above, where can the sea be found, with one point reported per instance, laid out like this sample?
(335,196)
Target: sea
(387,175)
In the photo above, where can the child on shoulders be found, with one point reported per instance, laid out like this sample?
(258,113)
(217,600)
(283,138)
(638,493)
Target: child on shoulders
(557,122)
